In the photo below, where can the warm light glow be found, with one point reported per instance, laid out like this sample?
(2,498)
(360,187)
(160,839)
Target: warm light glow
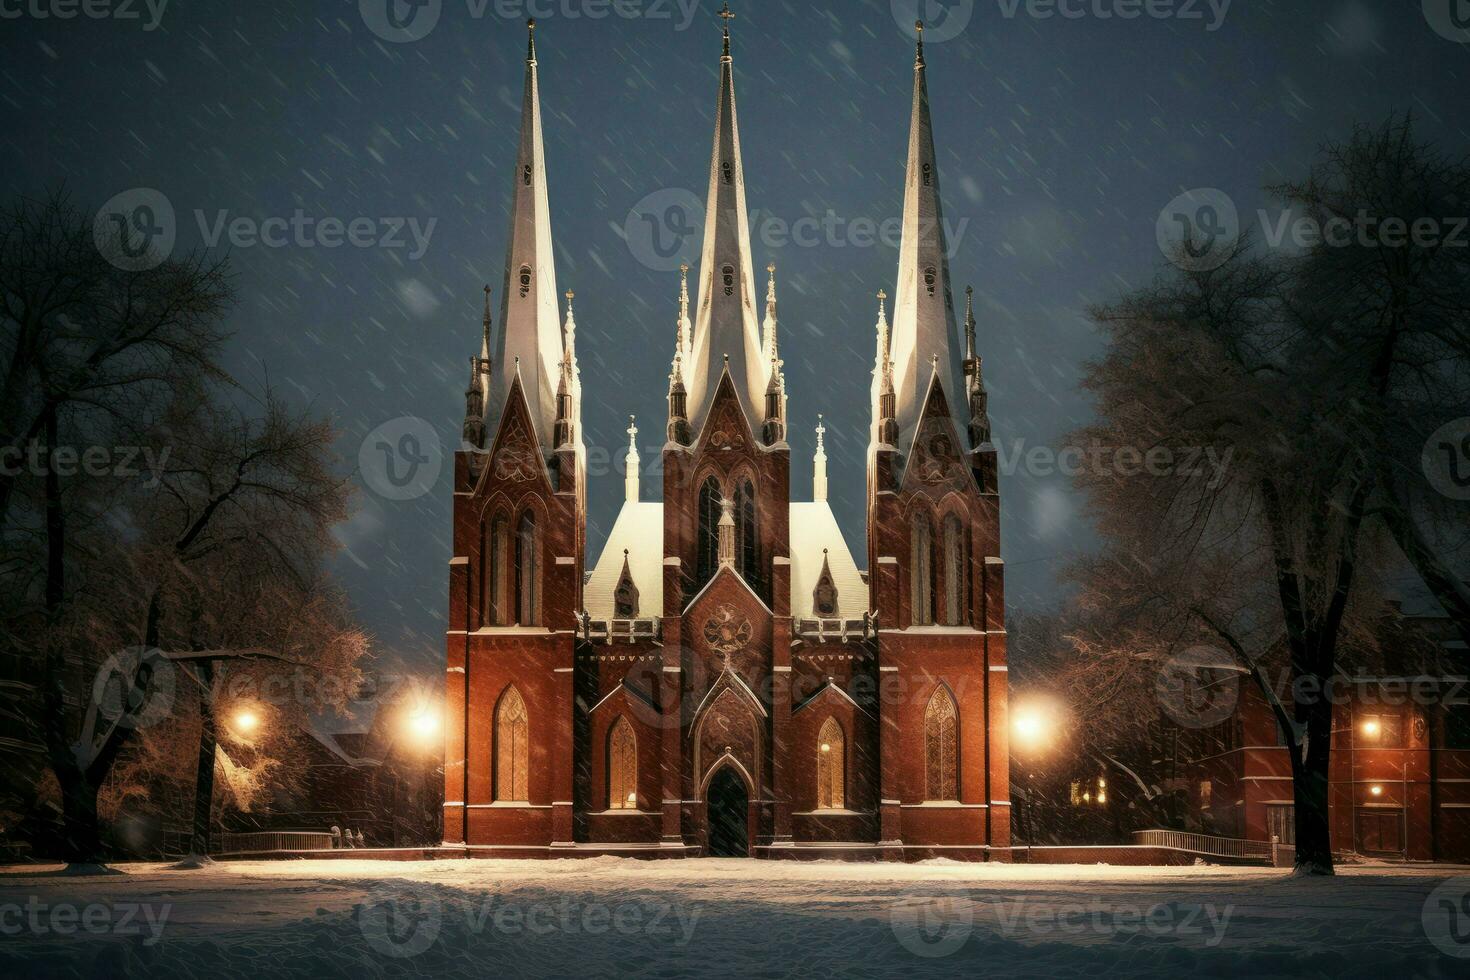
(246,721)
(425,723)
(826,747)
(1028,726)
(632,799)
(1376,790)
(1370,728)
(1101,797)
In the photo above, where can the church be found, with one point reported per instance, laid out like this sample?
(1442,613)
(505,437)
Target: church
(726,679)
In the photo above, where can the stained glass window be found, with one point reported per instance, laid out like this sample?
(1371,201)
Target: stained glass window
(622,767)
(831,767)
(512,756)
(941,748)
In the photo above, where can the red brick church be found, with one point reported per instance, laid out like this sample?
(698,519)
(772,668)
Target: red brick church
(726,679)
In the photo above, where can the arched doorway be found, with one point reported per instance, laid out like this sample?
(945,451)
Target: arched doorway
(727,809)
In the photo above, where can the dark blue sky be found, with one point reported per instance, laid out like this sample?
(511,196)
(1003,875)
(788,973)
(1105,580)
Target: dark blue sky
(1060,140)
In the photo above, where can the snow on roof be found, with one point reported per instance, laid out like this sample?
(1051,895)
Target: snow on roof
(813,527)
(640,530)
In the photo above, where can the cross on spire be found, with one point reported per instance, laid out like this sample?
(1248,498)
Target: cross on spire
(531,40)
(919,57)
(727,15)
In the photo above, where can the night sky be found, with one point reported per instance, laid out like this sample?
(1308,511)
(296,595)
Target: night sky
(1060,140)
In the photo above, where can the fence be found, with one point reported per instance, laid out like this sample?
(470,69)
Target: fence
(274,840)
(1202,844)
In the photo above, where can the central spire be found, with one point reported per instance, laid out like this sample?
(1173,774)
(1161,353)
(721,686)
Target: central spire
(924,326)
(530,338)
(726,330)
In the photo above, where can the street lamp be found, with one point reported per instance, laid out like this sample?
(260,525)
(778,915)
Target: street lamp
(1033,726)
(424,724)
(246,721)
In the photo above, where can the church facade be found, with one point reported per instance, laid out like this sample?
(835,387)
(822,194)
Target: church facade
(726,679)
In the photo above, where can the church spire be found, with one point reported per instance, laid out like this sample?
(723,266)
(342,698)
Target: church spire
(686,328)
(678,430)
(474,408)
(819,464)
(568,386)
(923,311)
(885,428)
(530,324)
(725,325)
(769,344)
(979,401)
(630,481)
(774,430)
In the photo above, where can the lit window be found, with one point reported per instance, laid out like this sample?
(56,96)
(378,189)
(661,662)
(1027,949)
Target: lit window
(512,755)
(941,748)
(622,767)
(831,767)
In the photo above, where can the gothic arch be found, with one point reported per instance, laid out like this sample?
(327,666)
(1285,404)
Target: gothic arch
(942,746)
(923,530)
(622,766)
(831,766)
(707,541)
(495,555)
(512,755)
(954,555)
(529,539)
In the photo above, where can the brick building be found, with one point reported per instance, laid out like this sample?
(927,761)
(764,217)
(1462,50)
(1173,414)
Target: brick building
(1399,777)
(725,679)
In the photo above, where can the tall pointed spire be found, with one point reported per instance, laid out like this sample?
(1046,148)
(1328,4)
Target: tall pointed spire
(979,401)
(678,429)
(819,464)
(485,366)
(686,327)
(774,430)
(568,387)
(725,325)
(530,324)
(923,310)
(630,480)
(885,424)
(769,344)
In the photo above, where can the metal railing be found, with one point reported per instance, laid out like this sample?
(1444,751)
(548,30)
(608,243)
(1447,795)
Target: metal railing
(274,840)
(1225,847)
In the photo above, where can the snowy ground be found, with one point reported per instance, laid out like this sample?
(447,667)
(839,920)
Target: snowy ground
(608,916)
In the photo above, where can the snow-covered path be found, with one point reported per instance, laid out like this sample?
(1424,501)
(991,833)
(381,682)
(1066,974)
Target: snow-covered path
(608,916)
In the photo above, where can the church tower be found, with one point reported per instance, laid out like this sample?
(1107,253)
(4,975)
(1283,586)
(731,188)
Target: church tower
(935,573)
(519,519)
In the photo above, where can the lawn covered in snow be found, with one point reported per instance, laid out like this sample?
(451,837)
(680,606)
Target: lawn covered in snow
(612,916)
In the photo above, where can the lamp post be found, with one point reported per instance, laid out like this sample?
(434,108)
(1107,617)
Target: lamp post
(1032,726)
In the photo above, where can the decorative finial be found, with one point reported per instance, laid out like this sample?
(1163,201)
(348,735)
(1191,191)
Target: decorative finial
(726,15)
(919,58)
(531,40)
(821,434)
(633,431)
(570,296)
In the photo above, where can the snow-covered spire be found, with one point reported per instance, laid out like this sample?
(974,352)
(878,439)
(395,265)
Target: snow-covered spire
(770,344)
(568,387)
(979,401)
(923,311)
(686,327)
(530,325)
(725,324)
(885,425)
(485,362)
(631,479)
(819,464)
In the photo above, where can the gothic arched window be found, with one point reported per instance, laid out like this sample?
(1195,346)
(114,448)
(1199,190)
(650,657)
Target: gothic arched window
(921,571)
(528,572)
(622,767)
(747,548)
(512,748)
(831,767)
(955,566)
(625,596)
(710,498)
(495,558)
(941,747)
(824,596)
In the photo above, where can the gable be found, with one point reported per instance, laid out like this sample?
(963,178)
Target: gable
(726,429)
(515,458)
(936,462)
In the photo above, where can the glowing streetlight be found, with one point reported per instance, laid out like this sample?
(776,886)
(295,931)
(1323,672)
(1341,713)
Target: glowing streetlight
(1371,729)
(1376,790)
(246,721)
(424,724)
